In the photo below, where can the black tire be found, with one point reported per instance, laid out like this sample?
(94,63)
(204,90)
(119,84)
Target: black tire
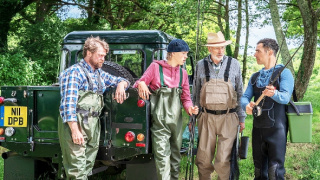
(117,70)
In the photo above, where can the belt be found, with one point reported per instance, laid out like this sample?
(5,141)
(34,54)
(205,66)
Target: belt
(218,112)
(88,113)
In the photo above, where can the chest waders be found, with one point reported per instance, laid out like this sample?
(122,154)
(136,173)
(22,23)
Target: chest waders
(217,125)
(166,129)
(269,135)
(78,160)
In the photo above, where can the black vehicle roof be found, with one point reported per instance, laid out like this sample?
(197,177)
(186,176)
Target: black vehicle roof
(120,36)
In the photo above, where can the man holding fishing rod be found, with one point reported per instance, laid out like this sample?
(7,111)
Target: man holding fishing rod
(271,88)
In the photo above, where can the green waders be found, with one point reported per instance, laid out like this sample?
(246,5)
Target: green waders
(166,129)
(78,160)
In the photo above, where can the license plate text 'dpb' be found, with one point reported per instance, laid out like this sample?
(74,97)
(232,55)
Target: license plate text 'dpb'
(13,116)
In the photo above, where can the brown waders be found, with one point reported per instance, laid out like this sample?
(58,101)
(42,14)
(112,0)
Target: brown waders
(166,129)
(78,160)
(217,126)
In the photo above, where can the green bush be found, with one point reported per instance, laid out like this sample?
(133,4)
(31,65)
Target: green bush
(42,44)
(16,69)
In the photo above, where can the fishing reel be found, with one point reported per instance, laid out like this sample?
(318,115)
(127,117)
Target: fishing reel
(256,111)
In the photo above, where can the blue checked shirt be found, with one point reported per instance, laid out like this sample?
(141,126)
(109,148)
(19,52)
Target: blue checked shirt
(74,79)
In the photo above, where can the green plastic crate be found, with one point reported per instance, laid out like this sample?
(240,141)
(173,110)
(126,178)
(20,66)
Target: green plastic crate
(300,126)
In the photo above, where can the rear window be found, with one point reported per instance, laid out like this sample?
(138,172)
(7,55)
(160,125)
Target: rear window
(132,60)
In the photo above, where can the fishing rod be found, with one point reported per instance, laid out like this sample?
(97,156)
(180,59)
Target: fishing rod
(190,156)
(257,110)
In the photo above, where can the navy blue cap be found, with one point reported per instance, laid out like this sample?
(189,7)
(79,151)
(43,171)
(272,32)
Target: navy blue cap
(178,45)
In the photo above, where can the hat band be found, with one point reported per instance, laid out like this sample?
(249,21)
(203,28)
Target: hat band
(218,42)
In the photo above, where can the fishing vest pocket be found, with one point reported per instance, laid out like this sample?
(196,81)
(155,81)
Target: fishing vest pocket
(266,119)
(218,95)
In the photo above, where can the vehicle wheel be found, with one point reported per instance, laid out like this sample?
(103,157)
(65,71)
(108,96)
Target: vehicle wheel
(117,70)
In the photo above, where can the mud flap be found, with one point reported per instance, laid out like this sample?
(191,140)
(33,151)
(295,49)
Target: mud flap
(19,167)
(142,171)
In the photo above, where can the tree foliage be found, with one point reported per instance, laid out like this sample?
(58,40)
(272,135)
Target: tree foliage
(36,28)
(16,69)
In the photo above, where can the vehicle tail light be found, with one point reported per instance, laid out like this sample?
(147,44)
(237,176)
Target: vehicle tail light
(129,136)
(141,103)
(140,144)
(1,100)
(140,137)
(1,131)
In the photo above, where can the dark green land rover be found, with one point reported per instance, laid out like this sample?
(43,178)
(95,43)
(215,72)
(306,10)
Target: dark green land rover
(29,114)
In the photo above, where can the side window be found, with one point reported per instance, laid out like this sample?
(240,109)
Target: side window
(79,55)
(65,59)
(188,65)
(159,54)
(132,60)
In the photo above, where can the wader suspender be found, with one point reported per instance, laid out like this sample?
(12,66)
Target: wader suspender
(99,91)
(162,79)
(87,113)
(226,72)
(226,77)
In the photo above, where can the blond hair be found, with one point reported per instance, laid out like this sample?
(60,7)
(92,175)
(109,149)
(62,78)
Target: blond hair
(92,44)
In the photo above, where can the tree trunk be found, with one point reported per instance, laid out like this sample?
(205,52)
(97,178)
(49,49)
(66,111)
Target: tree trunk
(238,34)
(220,24)
(310,18)
(98,11)
(8,9)
(43,8)
(283,47)
(227,30)
(244,66)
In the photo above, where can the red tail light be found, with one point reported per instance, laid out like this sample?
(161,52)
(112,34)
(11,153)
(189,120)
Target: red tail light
(140,145)
(141,103)
(1,100)
(130,136)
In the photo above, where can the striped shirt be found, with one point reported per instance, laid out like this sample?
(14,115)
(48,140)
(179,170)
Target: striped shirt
(234,76)
(74,79)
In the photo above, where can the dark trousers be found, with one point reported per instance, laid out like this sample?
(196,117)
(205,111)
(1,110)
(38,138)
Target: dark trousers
(269,149)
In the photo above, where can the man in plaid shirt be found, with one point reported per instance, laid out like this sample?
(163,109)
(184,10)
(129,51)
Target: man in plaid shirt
(82,86)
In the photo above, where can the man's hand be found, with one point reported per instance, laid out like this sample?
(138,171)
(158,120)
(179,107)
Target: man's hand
(242,126)
(249,108)
(76,134)
(121,92)
(193,110)
(269,91)
(143,90)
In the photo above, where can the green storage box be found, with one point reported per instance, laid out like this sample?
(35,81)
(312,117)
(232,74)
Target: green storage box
(300,126)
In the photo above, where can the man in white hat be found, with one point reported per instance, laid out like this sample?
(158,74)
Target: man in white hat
(217,88)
